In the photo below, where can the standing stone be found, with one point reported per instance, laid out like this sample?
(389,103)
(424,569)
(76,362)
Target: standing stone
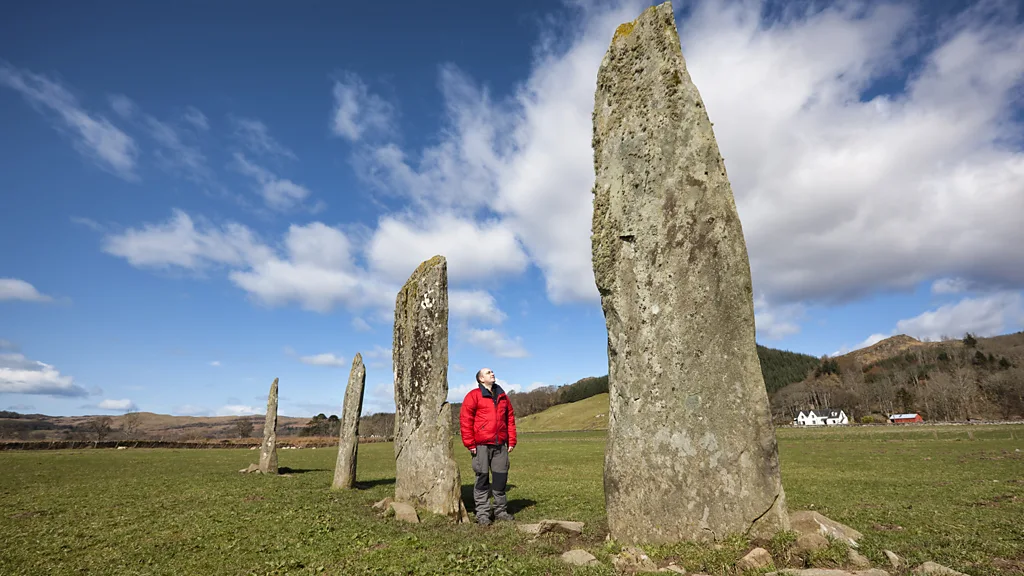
(691,450)
(268,452)
(348,444)
(426,473)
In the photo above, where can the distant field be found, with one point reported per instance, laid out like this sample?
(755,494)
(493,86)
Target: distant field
(588,414)
(930,493)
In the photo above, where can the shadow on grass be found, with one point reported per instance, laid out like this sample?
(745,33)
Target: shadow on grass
(367,484)
(287,470)
(514,504)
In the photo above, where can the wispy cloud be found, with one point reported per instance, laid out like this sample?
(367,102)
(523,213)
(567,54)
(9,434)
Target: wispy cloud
(238,410)
(124,405)
(278,193)
(357,112)
(215,363)
(196,118)
(497,343)
(325,359)
(93,135)
(15,289)
(20,375)
(254,135)
(360,325)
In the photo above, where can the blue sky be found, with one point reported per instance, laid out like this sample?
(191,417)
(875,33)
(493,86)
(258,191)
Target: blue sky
(199,198)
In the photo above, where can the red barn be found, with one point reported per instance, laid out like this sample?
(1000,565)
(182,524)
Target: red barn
(905,418)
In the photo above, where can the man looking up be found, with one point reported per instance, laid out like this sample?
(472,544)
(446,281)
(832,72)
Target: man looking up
(488,426)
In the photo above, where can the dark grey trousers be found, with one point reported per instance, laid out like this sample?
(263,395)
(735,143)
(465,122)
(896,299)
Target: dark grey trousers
(495,459)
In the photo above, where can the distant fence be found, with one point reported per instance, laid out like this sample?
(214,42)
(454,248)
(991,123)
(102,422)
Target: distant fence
(209,444)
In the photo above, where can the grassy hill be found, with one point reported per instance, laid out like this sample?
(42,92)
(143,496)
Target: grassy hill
(588,414)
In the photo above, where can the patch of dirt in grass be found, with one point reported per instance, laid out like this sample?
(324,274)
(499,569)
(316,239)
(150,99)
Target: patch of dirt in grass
(253,498)
(27,514)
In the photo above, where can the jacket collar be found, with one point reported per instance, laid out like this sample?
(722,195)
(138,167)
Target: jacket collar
(498,392)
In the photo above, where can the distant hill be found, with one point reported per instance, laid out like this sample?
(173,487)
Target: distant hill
(588,414)
(950,380)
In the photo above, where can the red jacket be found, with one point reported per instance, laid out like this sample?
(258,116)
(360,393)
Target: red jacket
(484,420)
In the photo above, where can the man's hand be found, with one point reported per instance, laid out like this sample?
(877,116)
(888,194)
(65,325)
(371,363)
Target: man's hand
(511,448)
(473,450)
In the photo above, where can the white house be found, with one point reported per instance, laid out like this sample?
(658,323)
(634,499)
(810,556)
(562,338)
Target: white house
(821,417)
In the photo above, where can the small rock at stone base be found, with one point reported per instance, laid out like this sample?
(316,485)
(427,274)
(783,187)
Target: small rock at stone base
(809,543)
(383,504)
(828,572)
(252,468)
(894,560)
(755,559)
(405,512)
(673,568)
(633,559)
(544,526)
(807,522)
(858,560)
(933,568)
(579,558)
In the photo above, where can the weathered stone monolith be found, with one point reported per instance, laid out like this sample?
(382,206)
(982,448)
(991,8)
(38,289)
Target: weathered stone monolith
(691,451)
(348,444)
(268,452)
(426,474)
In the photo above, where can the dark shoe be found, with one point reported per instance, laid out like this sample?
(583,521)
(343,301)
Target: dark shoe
(505,516)
(483,521)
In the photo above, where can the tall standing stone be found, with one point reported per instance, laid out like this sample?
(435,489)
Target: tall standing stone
(348,444)
(268,452)
(426,473)
(691,449)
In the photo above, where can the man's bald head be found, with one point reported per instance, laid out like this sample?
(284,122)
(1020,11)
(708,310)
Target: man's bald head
(485,376)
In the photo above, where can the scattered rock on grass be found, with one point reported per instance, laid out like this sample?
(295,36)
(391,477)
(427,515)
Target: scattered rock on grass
(938,569)
(809,543)
(894,560)
(579,558)
(251,469)
(755,559)
(858,560)
(383,504)
(633,559)
(545,526)
(674,568)
(828,572)
(405,512)
(808,522)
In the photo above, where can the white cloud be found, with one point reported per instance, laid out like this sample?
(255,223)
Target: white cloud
(180,242)
(122,105)
(475,251)
(988,315)
(475,305)
(496,343)
(839,197)
(777,322)
(869,341)
(123,405)
(94,136)
(215,363)
(357,112)
(278,193)
(175,155)
(8,345)
(255,136)
(950,286)
(196,118)
(20,375)
(190,410)
(325,359)
(238,410)
(360,325)
(15,289)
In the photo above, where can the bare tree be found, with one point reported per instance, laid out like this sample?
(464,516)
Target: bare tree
(100,427)
(244,427)
(130,424)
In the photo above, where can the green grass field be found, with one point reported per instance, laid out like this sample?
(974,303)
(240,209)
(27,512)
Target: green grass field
(926,493)
(588,414)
